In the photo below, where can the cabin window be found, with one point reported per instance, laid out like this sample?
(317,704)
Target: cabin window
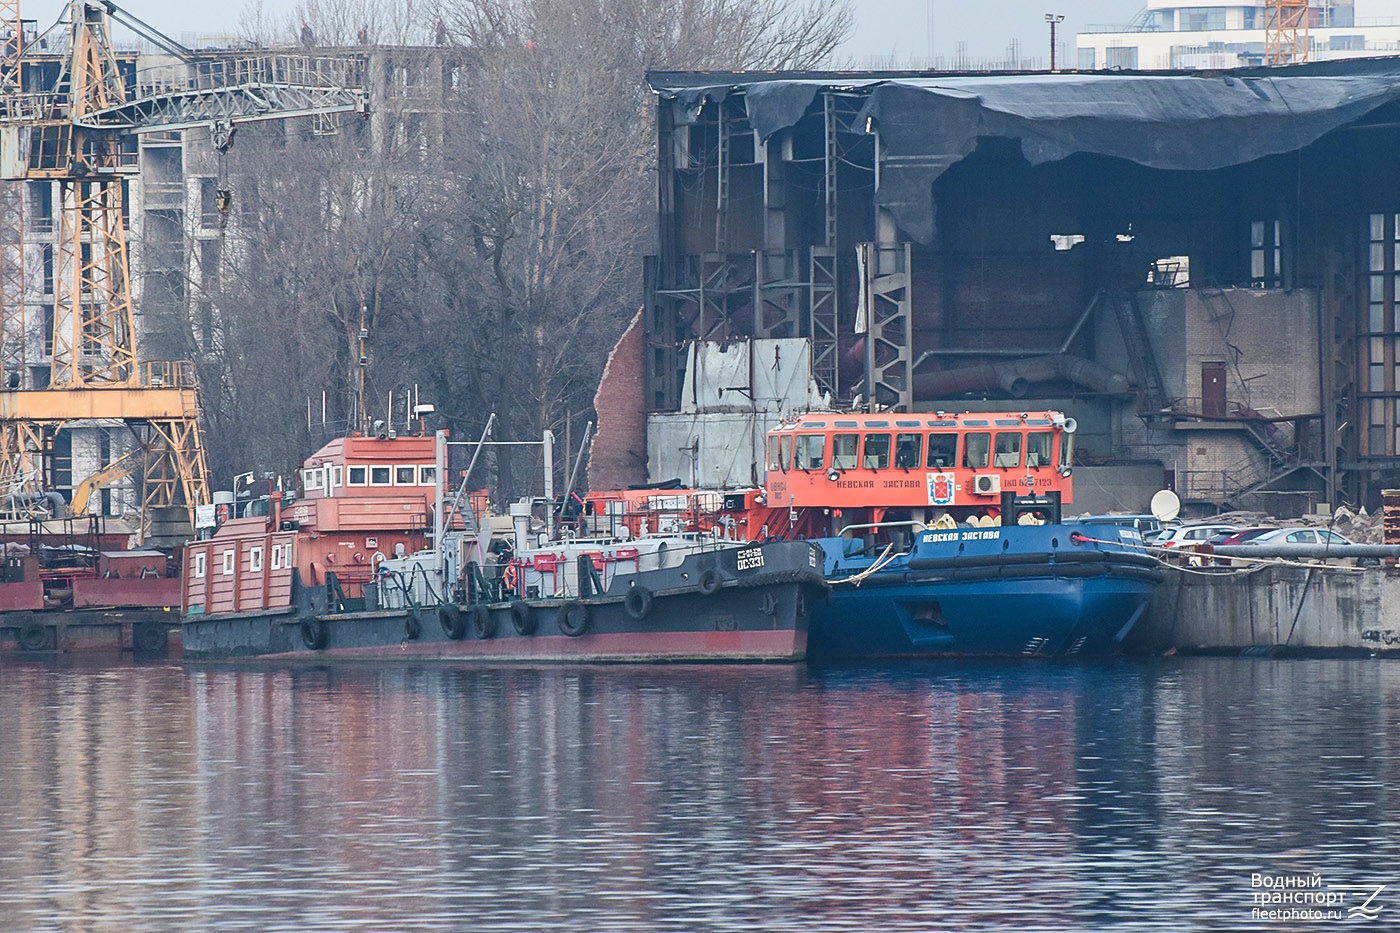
(228,563)
(1066,449)
(1008,450)
(311,479)
(877,452)
(773,453)
(810,453)
(1039,449)
(942,451)
(843,451)
(908,451)
(287,555)
(336,476)
(785,451)
(379,476)
(358,475)
(427,475)
(276,556)
(199,564)
(977,450)
(255,560)
(405,476)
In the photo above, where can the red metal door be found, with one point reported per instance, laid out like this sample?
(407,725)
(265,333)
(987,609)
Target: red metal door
(1213,390)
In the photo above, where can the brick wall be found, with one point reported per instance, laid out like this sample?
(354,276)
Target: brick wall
(617,458)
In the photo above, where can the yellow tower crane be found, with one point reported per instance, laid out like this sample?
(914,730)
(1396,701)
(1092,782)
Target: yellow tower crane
(1285,32)
(75,132)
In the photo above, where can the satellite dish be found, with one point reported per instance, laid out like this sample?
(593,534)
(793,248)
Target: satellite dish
(1165,505)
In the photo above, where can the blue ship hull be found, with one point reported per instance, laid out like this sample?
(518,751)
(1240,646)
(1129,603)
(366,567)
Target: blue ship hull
(1044,591)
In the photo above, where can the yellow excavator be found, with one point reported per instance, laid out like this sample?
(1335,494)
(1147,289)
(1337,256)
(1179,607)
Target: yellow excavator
(114,472)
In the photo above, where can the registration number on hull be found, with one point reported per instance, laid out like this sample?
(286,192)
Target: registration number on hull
(749,559)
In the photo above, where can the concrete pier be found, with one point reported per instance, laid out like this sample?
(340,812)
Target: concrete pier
(1323,609)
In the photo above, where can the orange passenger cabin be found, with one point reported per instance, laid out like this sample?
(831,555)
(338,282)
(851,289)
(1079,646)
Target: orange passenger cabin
(364,499)
(959,463)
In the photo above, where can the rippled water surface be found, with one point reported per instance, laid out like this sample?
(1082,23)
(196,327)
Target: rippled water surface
(923,797)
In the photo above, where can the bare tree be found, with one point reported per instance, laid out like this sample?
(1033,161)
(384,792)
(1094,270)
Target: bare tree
(340,23)
(553,153)
(495,238)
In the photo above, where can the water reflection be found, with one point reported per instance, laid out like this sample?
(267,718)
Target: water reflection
(682,798)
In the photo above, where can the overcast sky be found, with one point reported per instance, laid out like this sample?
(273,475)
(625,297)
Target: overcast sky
(886,29)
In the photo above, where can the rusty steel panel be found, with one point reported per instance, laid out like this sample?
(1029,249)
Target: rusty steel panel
(18,596)
(152,592)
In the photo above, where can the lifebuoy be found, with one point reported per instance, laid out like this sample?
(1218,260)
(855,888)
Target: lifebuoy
(709,582)
(573,618)
(453,626)
(483,621)
(510,577)
(637,603)
(34,637)
(522,618)
(313,633)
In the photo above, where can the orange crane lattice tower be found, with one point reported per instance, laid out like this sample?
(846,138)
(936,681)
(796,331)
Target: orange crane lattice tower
(1285,32)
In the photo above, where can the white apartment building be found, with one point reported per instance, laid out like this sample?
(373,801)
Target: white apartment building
(1201,34)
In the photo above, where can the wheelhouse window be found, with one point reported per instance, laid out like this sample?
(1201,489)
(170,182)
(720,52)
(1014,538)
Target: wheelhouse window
(784,451)
(877,452)
(1008,450)
(809,453)
(359,475)
(977,450)
(908,451)
(427,475)
(405,476)
(1040,446)
(1066,450)
(773,461)
(379,476)
(843,451)
(942,451)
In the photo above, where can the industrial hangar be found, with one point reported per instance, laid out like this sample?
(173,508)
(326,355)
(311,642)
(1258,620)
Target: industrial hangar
(1203,268)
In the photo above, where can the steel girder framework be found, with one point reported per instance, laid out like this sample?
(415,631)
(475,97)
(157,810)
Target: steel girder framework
(887,312)
(215,91)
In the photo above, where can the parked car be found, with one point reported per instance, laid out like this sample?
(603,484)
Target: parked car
(1155,537)
(1298,536)
(1241,536)
(1146,525)
(1188,535)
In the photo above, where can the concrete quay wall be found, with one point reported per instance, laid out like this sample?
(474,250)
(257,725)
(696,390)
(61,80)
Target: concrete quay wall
(1320,609)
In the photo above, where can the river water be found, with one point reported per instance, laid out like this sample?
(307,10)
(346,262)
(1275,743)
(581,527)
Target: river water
(1165,795)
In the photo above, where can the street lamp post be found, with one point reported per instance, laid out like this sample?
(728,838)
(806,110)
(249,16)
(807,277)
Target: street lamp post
(1054,19)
